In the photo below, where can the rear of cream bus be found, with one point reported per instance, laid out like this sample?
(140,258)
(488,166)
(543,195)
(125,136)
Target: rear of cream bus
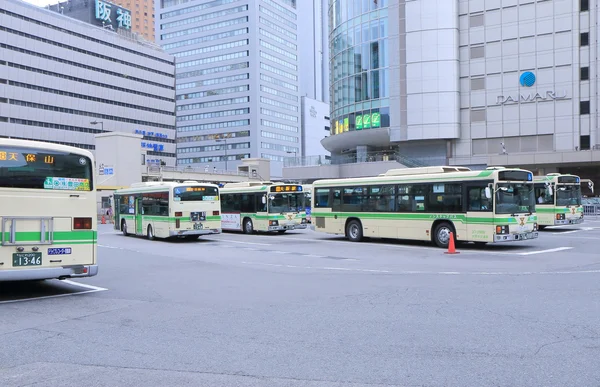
(47,211)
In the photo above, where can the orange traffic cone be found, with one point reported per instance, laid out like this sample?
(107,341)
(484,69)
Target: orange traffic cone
(103,220)
(451,247)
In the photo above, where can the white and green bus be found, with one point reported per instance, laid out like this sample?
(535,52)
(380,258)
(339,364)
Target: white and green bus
(171,210)
(47,211)
(492,205)
(263,207)
(558,199)
(307,188)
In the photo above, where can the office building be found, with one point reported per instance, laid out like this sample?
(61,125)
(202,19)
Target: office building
(63,81)
(313,55)
(472,83)
(237,79)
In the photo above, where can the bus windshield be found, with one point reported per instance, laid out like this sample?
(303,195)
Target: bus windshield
(195,194)
(286,202)
(512,198)
(34,168)
(568,195)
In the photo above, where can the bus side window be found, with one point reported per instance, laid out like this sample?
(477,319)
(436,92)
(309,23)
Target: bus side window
(321,197)
(337,200)
(477,200)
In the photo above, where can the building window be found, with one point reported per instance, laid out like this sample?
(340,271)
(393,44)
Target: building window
(584,107)
(476,21)
(584,39)
(584,5)
(477,83)
(584,73)
(477,52)
(584,142)
(478,115)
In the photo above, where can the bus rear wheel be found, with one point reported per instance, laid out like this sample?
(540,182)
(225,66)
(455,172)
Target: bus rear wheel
(248,226)
(541,228)
(354,231)
(441,234)
(150,233)
(281,231)
(124,227)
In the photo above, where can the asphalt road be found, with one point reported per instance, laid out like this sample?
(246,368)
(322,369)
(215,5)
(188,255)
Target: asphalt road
(308,309)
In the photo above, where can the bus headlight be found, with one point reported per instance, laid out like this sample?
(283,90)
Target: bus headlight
(303,220)
(535,227)
(273,223)
(560,216)
(501,230)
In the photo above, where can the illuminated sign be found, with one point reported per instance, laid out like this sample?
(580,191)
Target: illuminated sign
(195,189)
(346,124)
(66,183)
(111,15)
(367,121)
(287,188)
(26,157)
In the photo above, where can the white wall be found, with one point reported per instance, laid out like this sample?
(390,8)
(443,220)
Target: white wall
(314,125)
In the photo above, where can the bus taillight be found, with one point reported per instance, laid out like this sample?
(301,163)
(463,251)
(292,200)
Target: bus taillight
(82,223)
(216,213)
(178,214)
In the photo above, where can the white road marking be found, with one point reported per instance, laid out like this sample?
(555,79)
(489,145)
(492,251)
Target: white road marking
(565,232)
(280,252)
(416,272)
(545,251)
(241,243)
(313,256)
(92,289)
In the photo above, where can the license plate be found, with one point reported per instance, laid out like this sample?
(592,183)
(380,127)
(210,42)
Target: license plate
(27,259)
(59,251)
(198,226)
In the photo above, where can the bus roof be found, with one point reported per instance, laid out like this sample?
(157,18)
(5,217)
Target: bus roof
(158,186)
(252,186)
(45,146)
(552,177)
(432,174)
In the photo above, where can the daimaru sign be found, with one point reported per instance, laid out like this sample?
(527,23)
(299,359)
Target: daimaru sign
(527,79)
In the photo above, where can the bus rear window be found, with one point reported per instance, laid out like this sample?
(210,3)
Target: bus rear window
(44,169)
(195,194)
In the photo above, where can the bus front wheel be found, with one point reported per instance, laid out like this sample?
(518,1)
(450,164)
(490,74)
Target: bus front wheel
(441,234)
(124,228)
(541,228)
(354,231)
(248,226)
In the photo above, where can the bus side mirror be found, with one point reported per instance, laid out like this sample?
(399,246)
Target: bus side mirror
(591,186)
(264,200)
(488,192)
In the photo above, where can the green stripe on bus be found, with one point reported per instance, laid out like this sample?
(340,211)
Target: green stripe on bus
(269,217)
(557,210)
(399,179)
(57,236)
(430,217)
(169,218)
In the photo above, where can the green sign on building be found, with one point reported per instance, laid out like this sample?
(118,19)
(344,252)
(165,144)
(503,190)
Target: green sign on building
(375,120)
(358,122)
(366,121)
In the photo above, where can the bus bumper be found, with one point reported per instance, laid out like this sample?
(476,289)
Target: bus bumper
(283,227)
(515,237)
(49,273)
(207,231)
(567,221)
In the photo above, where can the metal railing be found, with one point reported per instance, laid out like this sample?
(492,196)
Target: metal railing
(158,170)
(591,210)
(369,157)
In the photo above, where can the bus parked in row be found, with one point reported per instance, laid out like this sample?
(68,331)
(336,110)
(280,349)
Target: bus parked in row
(263,207)
(307,188)
(430,203)
(558,199)
(47,211)
(185,210)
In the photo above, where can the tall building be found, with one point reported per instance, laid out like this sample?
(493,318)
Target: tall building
(237,79)
(467,82)
(63,81)
(135,16)
(313,53)
(142,16)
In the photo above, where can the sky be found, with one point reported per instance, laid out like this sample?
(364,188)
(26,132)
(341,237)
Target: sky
(42,3)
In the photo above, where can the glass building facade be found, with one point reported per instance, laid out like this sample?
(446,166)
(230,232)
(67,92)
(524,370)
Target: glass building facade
(359,65)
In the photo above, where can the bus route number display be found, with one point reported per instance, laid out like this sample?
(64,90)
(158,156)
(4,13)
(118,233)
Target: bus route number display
(195,189)
(26,157)
(287,188)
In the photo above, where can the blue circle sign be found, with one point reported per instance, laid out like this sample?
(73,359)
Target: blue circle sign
(527,79)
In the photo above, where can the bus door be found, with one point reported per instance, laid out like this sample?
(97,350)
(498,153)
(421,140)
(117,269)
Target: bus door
(480,216)
(139,227)
(337,221)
